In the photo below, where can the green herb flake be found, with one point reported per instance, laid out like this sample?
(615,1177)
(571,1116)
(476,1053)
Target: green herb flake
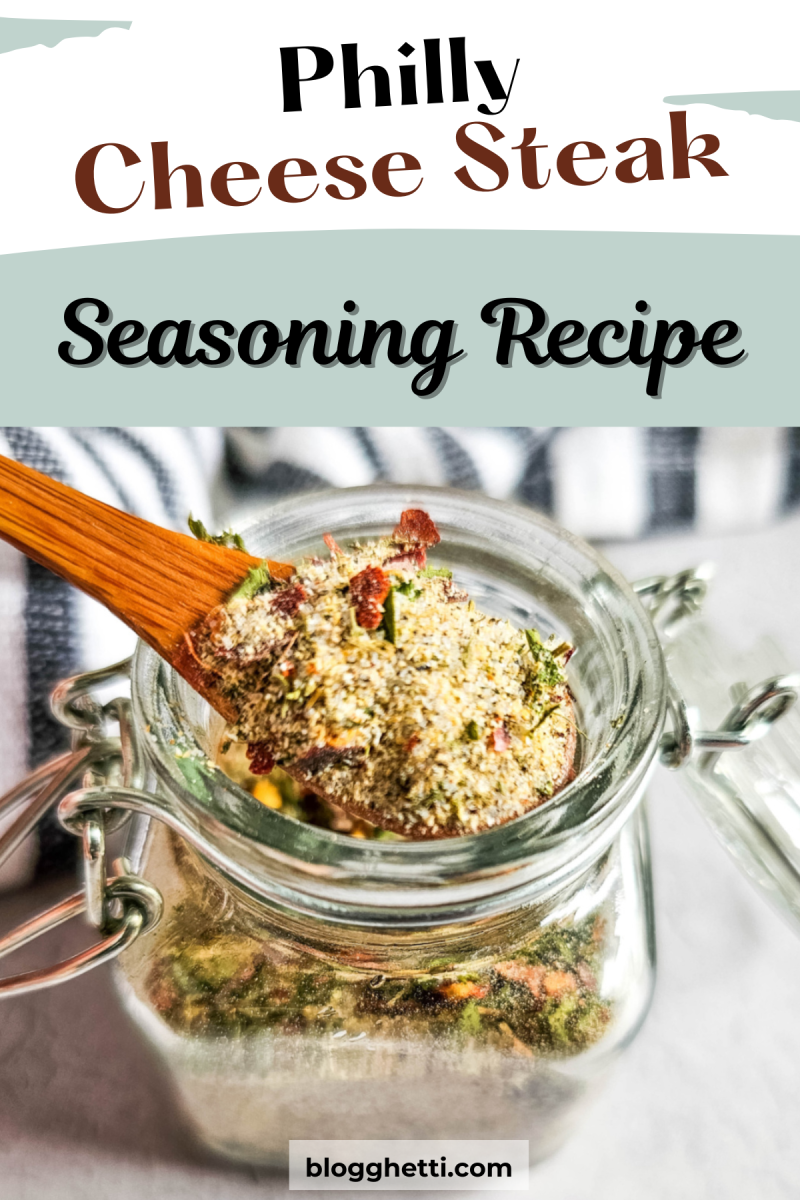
(436,573)
(390,617)
(256,580)
(548,671)
(226,538)
(547,712)
(470,1019)
(472,731)
(408,589)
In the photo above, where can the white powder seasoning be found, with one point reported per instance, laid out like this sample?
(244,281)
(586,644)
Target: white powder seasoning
(376,682)
(247,1099)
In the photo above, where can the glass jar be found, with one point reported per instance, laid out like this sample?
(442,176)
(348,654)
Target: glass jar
(305,984)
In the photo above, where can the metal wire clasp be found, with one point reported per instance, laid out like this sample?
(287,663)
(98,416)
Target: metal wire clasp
(140,910)
(123,906)
(670,600)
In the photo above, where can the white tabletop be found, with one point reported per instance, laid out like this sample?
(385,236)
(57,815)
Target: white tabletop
(704,1104)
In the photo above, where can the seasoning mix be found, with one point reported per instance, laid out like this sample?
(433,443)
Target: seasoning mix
(374,680)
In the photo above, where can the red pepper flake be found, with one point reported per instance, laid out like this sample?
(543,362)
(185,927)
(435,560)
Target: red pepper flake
(501,738)
(416,529)
(460,990)
(331,543)
(411,743)
(369,588)
(409,560)
(260,758)
(288,600)
(530,977)
(557,983)
(454,595)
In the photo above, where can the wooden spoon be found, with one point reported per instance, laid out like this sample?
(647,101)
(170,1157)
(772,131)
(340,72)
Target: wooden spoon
(158,582)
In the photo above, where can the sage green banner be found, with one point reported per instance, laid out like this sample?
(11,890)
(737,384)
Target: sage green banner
(409,277)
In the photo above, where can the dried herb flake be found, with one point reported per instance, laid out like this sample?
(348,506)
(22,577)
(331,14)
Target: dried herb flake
(226,538)
(256,580)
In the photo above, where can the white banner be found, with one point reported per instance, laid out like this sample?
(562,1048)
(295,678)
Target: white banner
(207,119)
(391,1166)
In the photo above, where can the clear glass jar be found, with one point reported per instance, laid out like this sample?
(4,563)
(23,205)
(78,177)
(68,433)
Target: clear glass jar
(304,984)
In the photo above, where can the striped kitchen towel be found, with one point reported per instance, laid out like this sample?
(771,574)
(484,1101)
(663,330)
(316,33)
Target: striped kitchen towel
(47,629)
(602,483)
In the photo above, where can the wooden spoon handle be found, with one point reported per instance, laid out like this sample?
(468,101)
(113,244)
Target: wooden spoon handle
(158,582)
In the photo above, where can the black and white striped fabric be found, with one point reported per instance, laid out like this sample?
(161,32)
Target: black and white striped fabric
(603,483)
(47,629)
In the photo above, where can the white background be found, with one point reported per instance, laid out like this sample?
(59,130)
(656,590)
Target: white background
(205,77)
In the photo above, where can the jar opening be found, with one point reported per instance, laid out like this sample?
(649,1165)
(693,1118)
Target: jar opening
(515,564)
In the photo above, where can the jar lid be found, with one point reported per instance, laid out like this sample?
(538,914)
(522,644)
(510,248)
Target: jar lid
(735,736)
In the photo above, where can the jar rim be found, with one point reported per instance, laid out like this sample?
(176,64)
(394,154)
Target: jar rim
(307,867)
